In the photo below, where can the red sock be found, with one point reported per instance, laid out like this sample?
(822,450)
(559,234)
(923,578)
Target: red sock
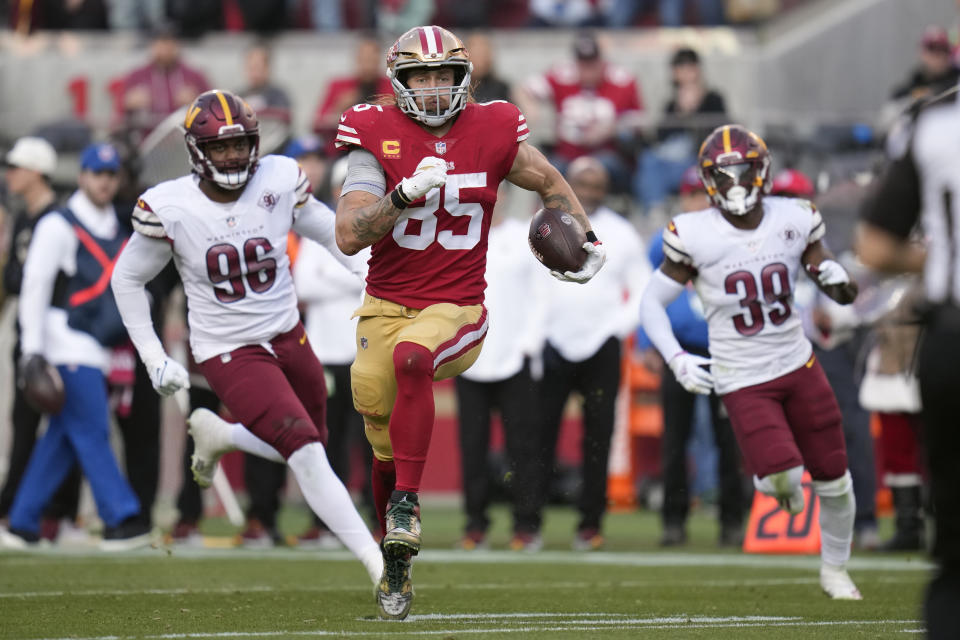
(411,423)
(383,477)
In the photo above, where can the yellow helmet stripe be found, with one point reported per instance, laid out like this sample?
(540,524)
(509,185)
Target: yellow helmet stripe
(726,139)
(226,108)
(192,114)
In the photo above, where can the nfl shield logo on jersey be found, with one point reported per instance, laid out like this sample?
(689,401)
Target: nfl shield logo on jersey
(363,342)
(268,200)
(441,148)
(232,221)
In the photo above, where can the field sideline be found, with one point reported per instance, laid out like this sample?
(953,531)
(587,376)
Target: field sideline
(701,592)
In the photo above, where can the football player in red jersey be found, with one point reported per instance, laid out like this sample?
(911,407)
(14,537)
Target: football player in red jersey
(422,181)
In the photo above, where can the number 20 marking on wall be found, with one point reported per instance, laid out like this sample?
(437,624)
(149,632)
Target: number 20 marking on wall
(450,201)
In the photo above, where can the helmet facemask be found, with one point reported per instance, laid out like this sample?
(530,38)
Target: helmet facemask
(733,163)
(228,174)
(425,49)
(736,188)
(413,102)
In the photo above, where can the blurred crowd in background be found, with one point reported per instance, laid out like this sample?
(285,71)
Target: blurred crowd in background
(638,173)
(392,16)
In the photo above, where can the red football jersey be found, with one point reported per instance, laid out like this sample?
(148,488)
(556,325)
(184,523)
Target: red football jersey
(438,249)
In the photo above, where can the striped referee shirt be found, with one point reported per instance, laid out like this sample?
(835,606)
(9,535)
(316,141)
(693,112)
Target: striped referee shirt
(922,185)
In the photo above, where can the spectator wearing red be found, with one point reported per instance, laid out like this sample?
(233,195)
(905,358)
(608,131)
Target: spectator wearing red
(163,85)
(596,103)
(793,184)
(367,81)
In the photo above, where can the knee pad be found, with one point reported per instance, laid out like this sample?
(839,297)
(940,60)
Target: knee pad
(411,359)
(292,434)
(378,435)
(781,484)
(834,488)
(374,391)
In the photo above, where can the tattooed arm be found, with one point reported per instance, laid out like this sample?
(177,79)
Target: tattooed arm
(362,219)
(364,213)
(532,171)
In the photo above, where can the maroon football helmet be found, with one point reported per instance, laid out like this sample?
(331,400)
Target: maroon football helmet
(221,115)
(733,163)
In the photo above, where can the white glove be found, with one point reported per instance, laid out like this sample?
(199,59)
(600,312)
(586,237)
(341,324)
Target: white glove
(167,375)
(430,174)
(829,273)
(690,373)
(596,256)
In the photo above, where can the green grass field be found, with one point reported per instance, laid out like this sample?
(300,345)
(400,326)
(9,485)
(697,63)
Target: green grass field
(632,589)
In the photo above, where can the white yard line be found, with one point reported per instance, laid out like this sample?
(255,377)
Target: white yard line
(601,558)
(427,586)
(549,622)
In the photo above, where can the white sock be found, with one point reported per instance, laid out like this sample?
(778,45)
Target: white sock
(243,439)
(330,500)
(838,507)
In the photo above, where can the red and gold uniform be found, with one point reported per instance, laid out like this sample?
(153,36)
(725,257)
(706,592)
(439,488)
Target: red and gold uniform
(425,283)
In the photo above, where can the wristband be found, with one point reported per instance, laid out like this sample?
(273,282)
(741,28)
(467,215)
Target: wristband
(397,199)
(592,237)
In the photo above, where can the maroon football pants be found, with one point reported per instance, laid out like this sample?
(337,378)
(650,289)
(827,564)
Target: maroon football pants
(281,398)
(790,421)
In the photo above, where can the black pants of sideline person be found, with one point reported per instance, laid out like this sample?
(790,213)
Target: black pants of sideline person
(940,396)
(839,364)
(678,412)
(25,423)
(141,441)
(516,400)
(597,379)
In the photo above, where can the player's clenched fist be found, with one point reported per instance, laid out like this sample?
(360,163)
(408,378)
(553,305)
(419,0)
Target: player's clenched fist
(167,375)
(690,371)
(430,174)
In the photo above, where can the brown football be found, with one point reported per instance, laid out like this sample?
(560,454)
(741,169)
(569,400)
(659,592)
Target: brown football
(556,239)
(42,385)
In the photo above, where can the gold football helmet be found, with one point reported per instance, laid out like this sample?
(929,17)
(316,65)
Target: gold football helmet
(429,47)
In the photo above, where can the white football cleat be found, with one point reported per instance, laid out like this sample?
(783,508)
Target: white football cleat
(12,541)
(211,439)
(837,584)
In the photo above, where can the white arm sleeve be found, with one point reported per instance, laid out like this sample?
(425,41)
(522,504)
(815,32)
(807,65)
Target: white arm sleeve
(364,173)
(142,259)
(317,221)
(660,292)
(52,239)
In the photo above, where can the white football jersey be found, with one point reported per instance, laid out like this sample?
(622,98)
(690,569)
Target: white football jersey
(232,257)
(745,279)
